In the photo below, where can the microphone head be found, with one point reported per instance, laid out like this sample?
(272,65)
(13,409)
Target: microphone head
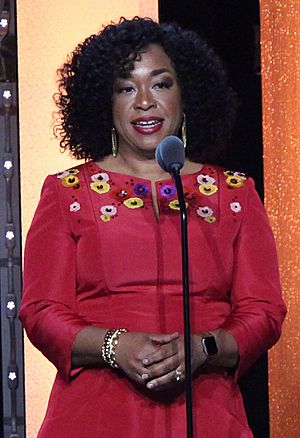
(170,153)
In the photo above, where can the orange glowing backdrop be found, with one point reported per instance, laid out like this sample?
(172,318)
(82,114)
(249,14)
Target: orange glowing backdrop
(47,32)
(280,43)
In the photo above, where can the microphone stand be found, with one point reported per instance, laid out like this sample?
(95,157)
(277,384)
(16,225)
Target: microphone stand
(175,172)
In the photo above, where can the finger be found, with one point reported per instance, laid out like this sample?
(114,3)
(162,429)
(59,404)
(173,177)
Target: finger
(140,375)
(164,367)
(163,382)
(162,353)
(163,338)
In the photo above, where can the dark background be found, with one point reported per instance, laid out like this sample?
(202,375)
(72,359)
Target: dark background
(232,28)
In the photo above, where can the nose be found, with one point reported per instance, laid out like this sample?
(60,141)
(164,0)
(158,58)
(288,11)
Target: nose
(144,100)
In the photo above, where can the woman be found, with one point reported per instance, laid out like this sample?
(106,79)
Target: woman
(102,282)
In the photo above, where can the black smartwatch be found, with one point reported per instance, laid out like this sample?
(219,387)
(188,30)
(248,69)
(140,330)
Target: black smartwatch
(209,344)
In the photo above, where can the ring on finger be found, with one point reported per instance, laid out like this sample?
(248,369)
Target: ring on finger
(179,375)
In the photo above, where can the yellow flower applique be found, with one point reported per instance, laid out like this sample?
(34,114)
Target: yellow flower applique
(105,217)
(100,187)
(235,181)
(208,189)
(73,171)
(70,181)
(174,205)
(210,219)
(133,203)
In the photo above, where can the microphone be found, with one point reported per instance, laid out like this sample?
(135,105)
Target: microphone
(170,154)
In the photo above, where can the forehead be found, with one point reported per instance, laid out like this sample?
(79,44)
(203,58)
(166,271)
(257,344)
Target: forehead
(152,58)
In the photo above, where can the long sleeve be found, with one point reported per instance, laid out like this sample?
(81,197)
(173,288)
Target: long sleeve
(257,306)
(48,309)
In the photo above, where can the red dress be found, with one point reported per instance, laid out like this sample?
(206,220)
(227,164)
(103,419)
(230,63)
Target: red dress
(96,254)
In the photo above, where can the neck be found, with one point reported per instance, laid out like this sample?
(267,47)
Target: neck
(141,166)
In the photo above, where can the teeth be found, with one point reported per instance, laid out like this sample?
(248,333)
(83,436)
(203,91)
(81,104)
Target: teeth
(148,124)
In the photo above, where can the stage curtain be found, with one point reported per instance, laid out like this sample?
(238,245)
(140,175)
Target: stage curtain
(47,32)
(280,49)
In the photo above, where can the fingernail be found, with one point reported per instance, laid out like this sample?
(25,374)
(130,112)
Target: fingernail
(145,361)
(150,385)
(145,376)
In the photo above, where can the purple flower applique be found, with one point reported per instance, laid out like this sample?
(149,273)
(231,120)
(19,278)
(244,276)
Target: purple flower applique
(141,189)
(168,191)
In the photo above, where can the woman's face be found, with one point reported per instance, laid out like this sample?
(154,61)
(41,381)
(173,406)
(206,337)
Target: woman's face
(147,105)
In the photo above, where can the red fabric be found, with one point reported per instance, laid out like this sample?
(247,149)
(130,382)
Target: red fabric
(120,267)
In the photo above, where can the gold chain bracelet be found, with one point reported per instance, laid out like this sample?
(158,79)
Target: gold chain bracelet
(110,342)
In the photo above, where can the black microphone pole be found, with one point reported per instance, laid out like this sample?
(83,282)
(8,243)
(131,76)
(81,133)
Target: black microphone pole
(175,171)
(170,156)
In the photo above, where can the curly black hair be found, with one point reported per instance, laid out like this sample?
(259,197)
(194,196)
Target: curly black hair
(86,87)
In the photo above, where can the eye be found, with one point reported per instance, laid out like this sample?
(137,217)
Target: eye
(167,83)
(125,89)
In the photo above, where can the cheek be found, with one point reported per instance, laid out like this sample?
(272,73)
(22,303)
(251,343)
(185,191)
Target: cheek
(119,106)
(175,109)
(118,114)
(174,105)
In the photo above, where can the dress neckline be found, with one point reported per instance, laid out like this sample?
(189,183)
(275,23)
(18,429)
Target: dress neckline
(128,176)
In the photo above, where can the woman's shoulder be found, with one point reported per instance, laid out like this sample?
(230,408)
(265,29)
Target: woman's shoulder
(72,177)
(223,190)
(224,177)
(65,185)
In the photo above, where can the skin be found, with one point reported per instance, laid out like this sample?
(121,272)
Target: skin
(150,94)
(151,91)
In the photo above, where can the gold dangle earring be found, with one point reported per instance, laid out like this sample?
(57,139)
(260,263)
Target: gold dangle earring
(114,142)
(183,130)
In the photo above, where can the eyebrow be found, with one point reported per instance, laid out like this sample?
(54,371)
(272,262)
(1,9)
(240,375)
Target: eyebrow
(159,71)
(153,73)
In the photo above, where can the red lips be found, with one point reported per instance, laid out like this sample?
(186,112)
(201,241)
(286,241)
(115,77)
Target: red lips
(147,125)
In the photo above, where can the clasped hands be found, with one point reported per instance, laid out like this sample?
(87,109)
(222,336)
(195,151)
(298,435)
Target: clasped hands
(156,360)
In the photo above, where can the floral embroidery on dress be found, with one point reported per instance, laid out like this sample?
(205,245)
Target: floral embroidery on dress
(100,187)
(174,205)
(68,178)
(63,174)
(66,173)
(205,179)
(105,217)
(210,219)
(120,194)
(70,181)
(133,203)
(234,179)
(236,207)
(206,213)
(101,176)
(234,173)
(108,212)
(75,206)
(206,184)
(208,189)
(129,194)
(167,191)
(133,194)
(141,189)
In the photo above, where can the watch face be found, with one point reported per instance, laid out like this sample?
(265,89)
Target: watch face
(209,345)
